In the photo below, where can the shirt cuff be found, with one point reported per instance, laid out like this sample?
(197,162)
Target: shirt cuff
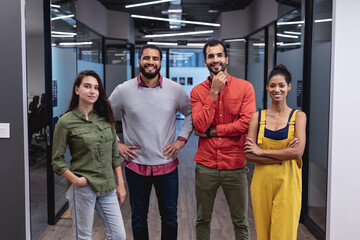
(210,101)
(182,139)
(220,130)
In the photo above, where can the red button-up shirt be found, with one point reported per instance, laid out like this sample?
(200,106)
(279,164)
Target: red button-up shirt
(230,114)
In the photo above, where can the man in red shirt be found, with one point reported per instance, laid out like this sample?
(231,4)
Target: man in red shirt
(221,106)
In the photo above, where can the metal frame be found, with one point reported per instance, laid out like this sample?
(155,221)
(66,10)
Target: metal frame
(266,70)
(308,37)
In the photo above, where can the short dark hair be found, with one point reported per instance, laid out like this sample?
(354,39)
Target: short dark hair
(152,47)
(102,105)
(213,43)
(280,70)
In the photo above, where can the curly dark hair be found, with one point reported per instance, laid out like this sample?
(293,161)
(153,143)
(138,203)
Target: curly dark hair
(280,70)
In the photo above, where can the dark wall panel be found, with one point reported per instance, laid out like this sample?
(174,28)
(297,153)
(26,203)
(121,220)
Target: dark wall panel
(12,180)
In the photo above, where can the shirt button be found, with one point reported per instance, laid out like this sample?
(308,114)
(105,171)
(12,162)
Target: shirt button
(218,150)
(219,137)
(220,115)
(219,101)
(212,117)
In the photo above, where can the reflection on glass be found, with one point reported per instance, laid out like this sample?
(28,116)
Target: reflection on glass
(64,47)
(255,66)
(89,45)
(270,57)
(290,52)
(117,65)
(63,25)
(89,51)
(237,54)
(188,68)
(319,111)
(187,65)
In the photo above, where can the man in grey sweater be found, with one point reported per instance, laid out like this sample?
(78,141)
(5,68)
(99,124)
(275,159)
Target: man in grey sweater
(148,106)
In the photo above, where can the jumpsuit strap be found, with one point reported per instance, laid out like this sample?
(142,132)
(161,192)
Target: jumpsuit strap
(262,122)
(292,121)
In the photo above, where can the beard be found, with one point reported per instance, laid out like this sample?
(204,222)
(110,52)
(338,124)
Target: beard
(215,72)
(149,75)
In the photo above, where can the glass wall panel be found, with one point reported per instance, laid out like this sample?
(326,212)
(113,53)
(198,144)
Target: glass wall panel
(237,57)
(63,38)
(187,68)
(35,72)
(270,56)
(117,65)
(290,52)
(255,66)
(319,111)
(89,51)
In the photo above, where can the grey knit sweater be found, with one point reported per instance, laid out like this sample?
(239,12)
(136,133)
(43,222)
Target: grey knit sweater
(148,117)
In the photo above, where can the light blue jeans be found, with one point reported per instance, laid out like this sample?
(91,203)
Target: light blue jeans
(83,201)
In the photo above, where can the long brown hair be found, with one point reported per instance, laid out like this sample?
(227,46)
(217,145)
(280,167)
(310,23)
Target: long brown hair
(102,105)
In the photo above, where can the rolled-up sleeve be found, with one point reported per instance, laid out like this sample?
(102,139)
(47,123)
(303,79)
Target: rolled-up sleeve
(60,141)
(116,158)
(203,112)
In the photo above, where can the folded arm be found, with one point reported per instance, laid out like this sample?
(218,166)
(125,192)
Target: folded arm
(294,150)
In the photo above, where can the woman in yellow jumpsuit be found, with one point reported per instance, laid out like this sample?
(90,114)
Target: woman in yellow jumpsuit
(276,184)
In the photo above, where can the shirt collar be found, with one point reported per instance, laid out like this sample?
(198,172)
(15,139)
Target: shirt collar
(79,114)
(141,83)
(228,80)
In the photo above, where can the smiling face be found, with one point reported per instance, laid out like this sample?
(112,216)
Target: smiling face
(88,91)
(278,88)
(215,59)
(150,63)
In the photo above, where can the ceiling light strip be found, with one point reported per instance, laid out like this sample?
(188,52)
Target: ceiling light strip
(259,44)
(75,43)
(65,33)
(146,3)
(175,44)
(179,34)
(289,23)
(62,36)
(286,36)
(323,20)
(163,43)
(62,17)
(55,6)
(175,20)
(289,44)
(290,32)
(302,22)
(235,40)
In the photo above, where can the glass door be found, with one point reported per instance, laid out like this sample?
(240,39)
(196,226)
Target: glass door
(319,112)
(256,66)
(237,57)
(60,72)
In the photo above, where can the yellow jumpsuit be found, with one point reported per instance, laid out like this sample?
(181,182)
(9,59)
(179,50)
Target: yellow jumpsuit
(276,188)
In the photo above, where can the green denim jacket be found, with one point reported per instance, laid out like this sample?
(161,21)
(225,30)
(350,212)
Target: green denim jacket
(93,147)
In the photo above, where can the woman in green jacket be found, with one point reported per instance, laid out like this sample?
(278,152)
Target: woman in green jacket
(88,129)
